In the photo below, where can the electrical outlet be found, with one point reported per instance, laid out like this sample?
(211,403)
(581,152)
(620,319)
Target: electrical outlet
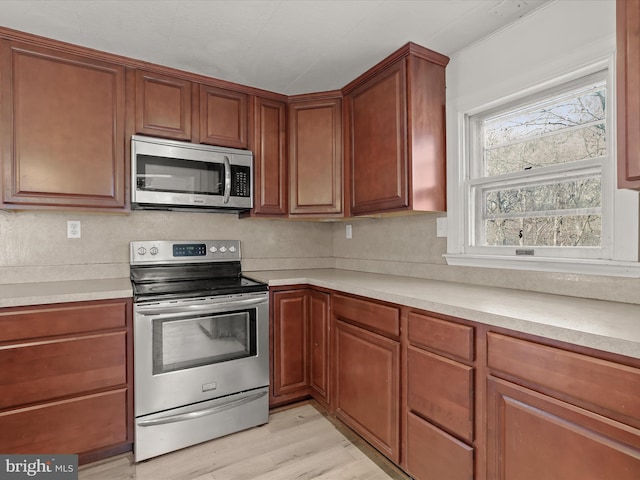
(73,229)
(349,231)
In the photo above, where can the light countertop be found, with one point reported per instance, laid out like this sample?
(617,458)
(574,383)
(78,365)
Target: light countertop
(608,326)
(38,293)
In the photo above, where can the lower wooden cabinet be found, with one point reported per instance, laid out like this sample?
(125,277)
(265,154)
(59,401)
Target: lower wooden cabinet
(433,454)
(319,328)
(300,345)
(367,387)
(67,379)
(532,436)
(290,373)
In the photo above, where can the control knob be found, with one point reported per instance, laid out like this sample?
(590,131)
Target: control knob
(232,249)
(142,251)
(153,250)
(223,249)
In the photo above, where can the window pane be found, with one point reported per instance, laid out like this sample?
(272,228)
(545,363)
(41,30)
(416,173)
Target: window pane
(556,130)
(562,147)
(549,231)
(568,195)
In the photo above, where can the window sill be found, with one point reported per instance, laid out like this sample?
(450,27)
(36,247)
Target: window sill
(541,264)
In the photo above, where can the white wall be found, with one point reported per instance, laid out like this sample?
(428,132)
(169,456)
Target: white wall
(560,37)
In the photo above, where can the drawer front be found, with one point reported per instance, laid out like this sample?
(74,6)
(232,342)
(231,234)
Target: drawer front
(592,381)
(434,455)
(33,372)
(71,426)
(382,319)
(62,319)
(441,390)
(441,336)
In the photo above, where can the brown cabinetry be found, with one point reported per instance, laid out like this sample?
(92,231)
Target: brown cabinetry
(395,134)
(290,345)
(367,372)
(62,129)
(66,379)
(270,160)
(319,334)
(224,117)
(554,413)
(315,155)
(300,345)
(440,398)
(163,105)
(628,92)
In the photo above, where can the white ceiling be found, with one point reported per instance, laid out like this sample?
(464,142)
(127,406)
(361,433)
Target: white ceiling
(285,46)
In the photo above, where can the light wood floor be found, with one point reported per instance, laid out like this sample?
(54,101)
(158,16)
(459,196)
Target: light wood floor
(300,442)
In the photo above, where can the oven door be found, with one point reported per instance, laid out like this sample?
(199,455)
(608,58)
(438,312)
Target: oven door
(193,350)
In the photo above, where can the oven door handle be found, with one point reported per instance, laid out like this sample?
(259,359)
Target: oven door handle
(201,413)
(189,309)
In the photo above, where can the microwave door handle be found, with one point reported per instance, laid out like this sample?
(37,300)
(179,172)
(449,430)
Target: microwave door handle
(227,179)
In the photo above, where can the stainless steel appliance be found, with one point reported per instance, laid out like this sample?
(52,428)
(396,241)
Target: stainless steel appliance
(201,344)
(171,175)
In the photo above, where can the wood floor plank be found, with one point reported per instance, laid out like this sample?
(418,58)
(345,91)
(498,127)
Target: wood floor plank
(300,442)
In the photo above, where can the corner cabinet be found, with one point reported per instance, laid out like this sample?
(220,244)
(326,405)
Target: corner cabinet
(315,155)
(628,92)
(395,134)
(62,129)
(67,379)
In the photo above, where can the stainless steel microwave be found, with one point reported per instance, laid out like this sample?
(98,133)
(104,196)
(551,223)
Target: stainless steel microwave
(171,175)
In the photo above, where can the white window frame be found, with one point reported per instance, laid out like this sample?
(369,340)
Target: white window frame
(620,208)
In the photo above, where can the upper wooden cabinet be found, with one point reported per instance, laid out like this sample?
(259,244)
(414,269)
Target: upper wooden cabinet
(395,134)
(61,129)
(628,93)
(163,105)
(315,155)
(269,157)
(223,117)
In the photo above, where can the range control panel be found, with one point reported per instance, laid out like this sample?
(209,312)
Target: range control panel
(184,251)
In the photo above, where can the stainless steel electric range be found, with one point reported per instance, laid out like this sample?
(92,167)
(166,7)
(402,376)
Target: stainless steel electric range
(201,346)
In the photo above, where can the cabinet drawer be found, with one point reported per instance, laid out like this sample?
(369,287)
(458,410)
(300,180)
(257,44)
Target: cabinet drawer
(441,390)
(37,371)
(591,381)
(434,455)
(379,318)
(71,426)
(441,336)
(62,319)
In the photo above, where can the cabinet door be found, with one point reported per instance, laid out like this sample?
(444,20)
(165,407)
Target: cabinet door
(223,117)
(367,389)
(290,342)
(163,106)
(315,157)
(270,161)
(628,93)
(378,142)
(62,129)
(319,340)
(532,436)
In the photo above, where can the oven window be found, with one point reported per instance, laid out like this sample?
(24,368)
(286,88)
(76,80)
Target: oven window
(164,174)
(195,341)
